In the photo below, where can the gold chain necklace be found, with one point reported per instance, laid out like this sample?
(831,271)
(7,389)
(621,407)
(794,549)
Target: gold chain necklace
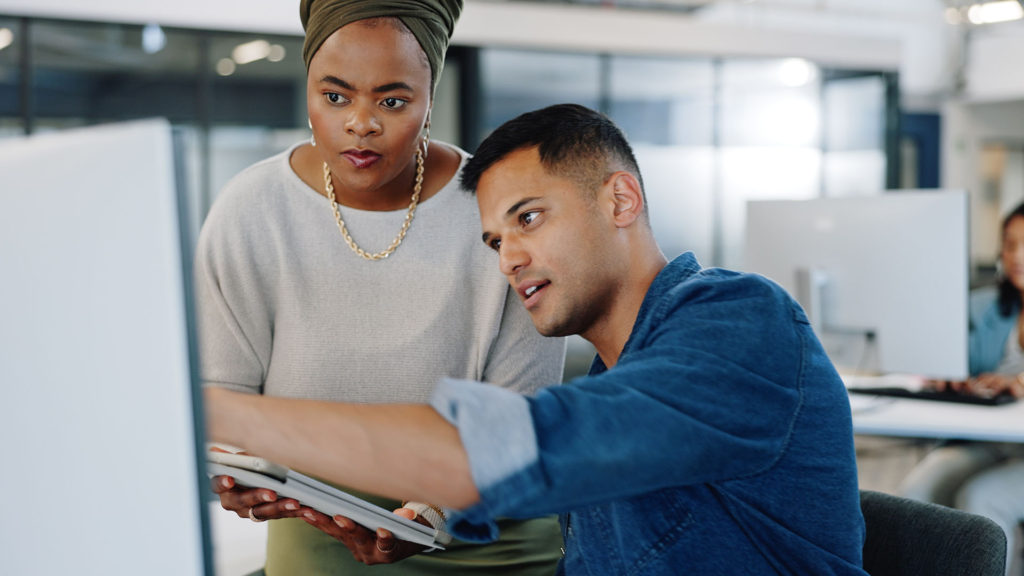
(329,185)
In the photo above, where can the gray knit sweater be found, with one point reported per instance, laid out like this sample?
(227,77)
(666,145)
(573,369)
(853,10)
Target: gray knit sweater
(287,309)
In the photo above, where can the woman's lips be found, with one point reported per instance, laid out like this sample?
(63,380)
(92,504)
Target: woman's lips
(361,158)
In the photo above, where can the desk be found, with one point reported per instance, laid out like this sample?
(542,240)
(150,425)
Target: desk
(887,416)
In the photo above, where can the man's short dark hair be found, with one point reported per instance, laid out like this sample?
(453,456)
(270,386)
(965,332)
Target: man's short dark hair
(573,141)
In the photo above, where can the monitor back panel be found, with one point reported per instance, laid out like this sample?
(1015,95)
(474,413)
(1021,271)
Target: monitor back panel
(893,264)
(98,436)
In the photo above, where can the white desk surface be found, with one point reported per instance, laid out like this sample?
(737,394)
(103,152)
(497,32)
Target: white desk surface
(887,416)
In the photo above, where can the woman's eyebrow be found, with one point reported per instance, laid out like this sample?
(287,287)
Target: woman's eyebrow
(377,90)
(393,86)
(338,82)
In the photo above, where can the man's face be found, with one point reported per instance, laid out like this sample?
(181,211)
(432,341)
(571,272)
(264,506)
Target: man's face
(555,243)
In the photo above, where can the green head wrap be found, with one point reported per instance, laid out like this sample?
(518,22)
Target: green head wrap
(430,21)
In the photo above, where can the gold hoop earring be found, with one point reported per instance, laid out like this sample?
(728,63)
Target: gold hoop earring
(426,140)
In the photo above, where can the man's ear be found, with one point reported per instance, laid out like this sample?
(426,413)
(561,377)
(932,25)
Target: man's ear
(628,198)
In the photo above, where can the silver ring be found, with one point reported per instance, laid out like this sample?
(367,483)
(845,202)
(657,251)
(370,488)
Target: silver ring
(391,548)
(254,518)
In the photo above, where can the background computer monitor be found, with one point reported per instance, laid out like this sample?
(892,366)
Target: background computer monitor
(99,438)
(884,278)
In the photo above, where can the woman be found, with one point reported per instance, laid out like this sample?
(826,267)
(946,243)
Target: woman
(950,475)
(350,268)
(997,356)
(997,334)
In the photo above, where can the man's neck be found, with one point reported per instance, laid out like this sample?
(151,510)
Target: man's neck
(609,336)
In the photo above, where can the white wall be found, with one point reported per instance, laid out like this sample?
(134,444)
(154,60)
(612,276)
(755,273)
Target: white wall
(993,66)
(967,127)
(990,110)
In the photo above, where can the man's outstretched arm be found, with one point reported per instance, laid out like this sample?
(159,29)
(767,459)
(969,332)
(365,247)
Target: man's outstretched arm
(402,451)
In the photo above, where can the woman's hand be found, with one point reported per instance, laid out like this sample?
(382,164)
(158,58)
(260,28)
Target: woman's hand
(368,547)
(256,504)
(985,385)
(943,385)
(989,385)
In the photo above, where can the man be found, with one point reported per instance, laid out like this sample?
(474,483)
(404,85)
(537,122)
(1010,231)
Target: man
(712,435)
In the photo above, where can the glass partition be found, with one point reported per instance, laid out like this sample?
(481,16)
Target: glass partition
(855,159)
(85,73)
(257,104)
(517,81)
(770,145)
(666,108)
(11,121)
(709,134)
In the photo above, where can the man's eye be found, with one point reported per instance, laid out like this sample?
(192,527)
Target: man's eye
(335,98)
(527,218)
(495,244)
(393,103)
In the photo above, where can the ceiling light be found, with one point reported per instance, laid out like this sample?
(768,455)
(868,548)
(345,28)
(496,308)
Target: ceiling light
(6,38)
(993,12)
(226,67)
(795,72)
(251,51)
(153,38)
(276,53)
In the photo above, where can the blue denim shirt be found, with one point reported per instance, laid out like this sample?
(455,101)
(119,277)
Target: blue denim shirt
(988,331)
(721,442)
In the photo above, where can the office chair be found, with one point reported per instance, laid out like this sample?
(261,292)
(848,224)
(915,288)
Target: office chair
(907,537)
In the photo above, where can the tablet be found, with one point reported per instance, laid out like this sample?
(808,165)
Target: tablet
(256,472)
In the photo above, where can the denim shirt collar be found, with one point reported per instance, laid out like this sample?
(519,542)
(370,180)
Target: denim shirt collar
(678,270)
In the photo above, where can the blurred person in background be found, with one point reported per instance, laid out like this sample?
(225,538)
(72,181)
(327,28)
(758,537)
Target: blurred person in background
(987,478)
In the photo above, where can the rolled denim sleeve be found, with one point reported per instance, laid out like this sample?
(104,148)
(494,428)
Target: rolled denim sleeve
(496,429)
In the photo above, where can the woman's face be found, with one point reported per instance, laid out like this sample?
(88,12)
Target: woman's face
(368,94)
(1012,253)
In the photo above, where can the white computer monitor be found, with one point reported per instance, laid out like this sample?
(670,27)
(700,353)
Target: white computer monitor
(100,433)
(884,278)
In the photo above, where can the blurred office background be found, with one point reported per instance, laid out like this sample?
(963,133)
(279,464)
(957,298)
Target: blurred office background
(725,100)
